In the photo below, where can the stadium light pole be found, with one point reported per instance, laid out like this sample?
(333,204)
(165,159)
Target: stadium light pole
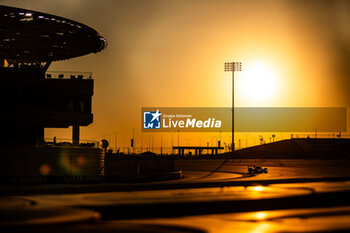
(232,67)
(116,140)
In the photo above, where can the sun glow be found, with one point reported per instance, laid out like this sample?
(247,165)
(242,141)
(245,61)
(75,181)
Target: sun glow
(258,83)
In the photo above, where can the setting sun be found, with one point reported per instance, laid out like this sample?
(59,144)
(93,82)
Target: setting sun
(258,83)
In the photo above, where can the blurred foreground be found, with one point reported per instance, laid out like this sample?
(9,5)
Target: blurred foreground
(213,196)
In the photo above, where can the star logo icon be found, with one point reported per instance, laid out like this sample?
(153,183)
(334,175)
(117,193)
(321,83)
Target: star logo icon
(156,115)
(151,120)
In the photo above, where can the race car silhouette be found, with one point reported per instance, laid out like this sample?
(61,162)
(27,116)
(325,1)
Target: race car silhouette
(256,170)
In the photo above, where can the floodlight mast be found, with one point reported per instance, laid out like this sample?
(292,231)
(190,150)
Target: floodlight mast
(233,66)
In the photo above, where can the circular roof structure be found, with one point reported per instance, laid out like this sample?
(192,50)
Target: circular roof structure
(31,36)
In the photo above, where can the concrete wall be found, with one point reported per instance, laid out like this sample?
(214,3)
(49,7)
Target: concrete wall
(137,166)
(49,161)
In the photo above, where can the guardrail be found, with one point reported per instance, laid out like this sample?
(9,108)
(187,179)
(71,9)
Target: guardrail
(69,142)
(68,75)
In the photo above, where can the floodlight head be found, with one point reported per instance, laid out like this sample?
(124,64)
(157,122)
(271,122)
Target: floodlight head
(228,66)
(233,66)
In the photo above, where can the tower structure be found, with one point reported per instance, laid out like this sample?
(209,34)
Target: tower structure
(31,98)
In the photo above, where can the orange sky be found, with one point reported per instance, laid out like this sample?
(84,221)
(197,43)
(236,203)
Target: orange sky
(170,53)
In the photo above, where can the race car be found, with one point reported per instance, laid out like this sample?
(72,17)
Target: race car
(256,170)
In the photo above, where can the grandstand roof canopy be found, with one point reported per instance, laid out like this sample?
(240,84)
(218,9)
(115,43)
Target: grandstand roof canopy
(31,36)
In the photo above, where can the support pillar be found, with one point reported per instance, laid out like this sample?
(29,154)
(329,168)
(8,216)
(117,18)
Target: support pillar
(76,134)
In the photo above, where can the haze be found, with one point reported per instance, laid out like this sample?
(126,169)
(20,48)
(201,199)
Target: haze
(170,53)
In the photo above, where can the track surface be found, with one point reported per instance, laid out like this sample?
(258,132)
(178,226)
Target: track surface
(213,196)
